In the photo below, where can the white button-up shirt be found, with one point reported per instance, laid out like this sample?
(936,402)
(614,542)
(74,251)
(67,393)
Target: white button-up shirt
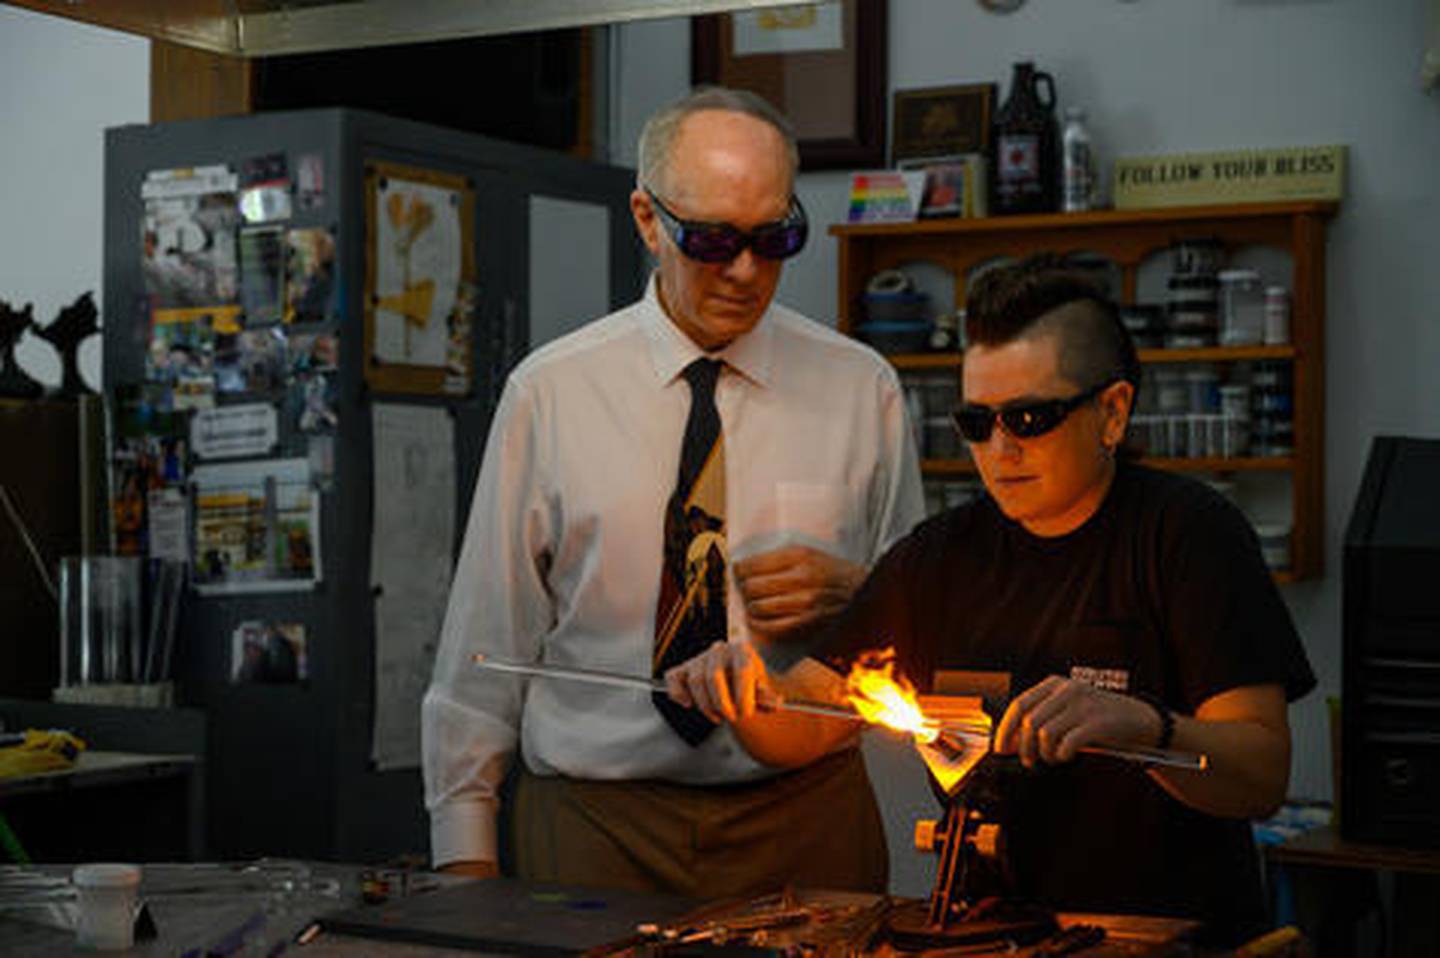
(562,552)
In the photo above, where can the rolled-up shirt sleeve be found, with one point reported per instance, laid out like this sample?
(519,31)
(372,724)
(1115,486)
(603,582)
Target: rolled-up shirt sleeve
(499,606)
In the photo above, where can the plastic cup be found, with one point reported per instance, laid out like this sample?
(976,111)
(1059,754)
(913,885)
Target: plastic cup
(109,896)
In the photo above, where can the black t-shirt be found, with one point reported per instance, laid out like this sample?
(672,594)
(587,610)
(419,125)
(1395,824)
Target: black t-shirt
(1163,590)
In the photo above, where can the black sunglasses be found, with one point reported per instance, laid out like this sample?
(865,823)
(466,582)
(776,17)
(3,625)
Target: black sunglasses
(1024,420)
(721,242)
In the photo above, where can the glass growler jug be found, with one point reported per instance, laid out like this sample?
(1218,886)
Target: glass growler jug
(1025,172)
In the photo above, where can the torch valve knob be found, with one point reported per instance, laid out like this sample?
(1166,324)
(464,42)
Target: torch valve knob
(925,830)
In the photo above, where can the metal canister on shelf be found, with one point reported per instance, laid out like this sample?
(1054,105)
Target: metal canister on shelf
(1202,385)
(1146,324)
(1242,308)
(1193,309)
(1277,315)
(1197,256)
(1235,400)
(1172,393)
(1272,437)
(1235,412)
(1272,424)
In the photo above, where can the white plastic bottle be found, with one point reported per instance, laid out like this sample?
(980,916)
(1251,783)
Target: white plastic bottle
(1077,189)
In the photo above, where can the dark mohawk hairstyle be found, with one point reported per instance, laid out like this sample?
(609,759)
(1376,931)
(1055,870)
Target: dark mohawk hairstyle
(1006,303)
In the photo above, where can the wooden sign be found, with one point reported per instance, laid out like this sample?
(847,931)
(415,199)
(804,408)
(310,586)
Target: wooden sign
(1234,176)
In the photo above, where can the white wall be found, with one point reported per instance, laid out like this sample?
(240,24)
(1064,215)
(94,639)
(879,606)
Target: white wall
(1163,76)
(61,84)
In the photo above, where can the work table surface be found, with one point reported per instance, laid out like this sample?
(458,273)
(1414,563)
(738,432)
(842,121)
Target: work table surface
(253,908)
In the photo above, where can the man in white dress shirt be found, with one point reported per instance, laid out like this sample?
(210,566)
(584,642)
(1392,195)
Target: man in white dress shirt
(562,560)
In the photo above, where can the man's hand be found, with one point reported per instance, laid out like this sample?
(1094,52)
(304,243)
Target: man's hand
(1050,720)
(472,869)
(790,589)
(727,682)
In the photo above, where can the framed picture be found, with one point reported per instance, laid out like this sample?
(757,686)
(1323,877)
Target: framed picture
(420,289)
(942,121)
(944,193)
(821,64)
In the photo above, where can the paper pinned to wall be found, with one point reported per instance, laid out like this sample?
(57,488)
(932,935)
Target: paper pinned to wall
(257,527)
(411,562)
(419,258)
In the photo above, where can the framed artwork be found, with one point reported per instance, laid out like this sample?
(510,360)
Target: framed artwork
(953,185)
(942,121)
(420,280)
(821,64)
(944,193)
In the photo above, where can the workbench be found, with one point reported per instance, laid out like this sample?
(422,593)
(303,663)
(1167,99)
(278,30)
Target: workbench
(106,803)
(225,909)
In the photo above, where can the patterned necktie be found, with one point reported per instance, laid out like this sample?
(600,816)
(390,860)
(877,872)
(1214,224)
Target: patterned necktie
(690,614)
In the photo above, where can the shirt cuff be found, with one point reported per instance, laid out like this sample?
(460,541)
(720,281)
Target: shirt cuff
(463,831)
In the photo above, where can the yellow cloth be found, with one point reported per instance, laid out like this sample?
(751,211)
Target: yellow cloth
(49,751)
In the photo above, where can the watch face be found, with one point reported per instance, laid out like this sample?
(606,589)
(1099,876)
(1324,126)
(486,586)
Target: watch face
(1002,6)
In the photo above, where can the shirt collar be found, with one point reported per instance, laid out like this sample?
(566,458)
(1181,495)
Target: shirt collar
(752,355)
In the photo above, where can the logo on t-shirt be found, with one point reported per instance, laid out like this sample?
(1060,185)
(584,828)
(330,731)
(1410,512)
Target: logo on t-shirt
(1112,680)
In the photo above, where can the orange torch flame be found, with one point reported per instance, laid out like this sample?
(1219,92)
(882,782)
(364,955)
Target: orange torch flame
(884,698)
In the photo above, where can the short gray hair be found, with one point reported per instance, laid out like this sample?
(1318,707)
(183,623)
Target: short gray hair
(658,136)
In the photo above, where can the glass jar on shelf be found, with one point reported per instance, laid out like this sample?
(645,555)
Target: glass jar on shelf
(1242,308)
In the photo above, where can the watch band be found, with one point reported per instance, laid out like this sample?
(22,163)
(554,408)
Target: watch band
(1167,717)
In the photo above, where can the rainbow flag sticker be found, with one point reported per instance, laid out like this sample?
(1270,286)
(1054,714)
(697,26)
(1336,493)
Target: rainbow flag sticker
(886,196)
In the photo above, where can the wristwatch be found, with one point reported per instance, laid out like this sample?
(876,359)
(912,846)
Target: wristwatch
(1167,717)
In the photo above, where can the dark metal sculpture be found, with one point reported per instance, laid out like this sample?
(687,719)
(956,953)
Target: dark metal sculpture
(14,383)
(75,323)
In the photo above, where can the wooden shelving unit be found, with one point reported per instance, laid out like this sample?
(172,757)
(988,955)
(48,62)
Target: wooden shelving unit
(1127,238)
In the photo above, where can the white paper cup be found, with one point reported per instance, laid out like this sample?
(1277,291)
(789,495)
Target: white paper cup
(109,895)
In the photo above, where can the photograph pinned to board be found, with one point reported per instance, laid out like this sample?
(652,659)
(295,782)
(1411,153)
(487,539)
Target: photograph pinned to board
(310,181)
(262,275)
(180,355)
(309,275)
(314,352)
(458,346)
(257,527)
(320,451)
(268,653)
(314,384)
(419,251)
(168,523)
(311,402)
(265,189)
(253,361)
(149,453)
(188,233)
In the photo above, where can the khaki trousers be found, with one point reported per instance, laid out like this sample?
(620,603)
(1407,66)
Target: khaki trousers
(816,827)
